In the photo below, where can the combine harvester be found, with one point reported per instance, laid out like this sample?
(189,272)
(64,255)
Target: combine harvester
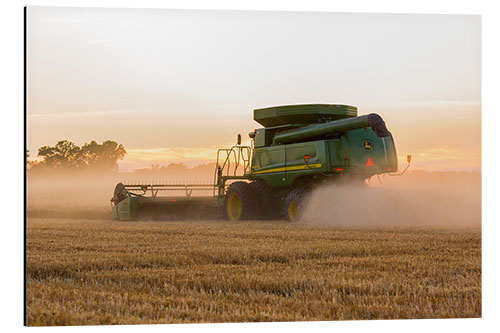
(299,148)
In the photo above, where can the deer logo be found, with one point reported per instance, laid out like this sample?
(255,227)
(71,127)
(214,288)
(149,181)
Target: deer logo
(367,145)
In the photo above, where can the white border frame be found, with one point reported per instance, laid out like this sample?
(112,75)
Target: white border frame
(12,101)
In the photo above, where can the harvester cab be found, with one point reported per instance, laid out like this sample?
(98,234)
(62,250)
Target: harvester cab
(298,148)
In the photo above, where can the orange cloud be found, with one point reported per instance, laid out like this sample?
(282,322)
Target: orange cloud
(444,158)
(175,154)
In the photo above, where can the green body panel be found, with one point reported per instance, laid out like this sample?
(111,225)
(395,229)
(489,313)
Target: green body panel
(280,166)
(126,209)
(382,154)
(302,114)
(114,212)
(260,138)
(295,164)
(337,153)
(345,154)
(268,165)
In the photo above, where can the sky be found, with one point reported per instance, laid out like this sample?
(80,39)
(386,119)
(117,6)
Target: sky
(174,85)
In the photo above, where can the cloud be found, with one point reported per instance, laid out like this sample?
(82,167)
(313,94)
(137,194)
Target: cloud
(443,158)
(439,153)
(170,155)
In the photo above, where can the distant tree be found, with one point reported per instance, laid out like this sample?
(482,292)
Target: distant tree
(65,154)
(103,156)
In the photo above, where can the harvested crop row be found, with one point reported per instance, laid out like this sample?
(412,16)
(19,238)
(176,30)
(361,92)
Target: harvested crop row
(102,272)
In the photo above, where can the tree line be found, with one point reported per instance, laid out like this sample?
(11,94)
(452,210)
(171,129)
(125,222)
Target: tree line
(66,155)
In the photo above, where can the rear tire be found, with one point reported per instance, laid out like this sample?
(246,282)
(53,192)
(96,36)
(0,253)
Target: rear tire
(267,205)
(294,204)
(240,202)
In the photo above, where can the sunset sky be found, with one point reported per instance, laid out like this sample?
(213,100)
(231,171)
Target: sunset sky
(173,85)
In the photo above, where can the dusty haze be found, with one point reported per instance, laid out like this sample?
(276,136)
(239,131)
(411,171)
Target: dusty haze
(414,199)
(92,189)
(417,198)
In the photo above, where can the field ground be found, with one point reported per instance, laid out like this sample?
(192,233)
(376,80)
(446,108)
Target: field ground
(82,272)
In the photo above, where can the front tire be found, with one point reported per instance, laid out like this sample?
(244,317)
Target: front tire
(240,202)
(294,204)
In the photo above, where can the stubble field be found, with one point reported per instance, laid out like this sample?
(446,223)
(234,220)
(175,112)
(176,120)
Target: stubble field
(82,272)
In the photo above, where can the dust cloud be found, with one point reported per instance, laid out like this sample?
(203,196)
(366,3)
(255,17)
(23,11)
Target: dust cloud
(414,199)
(55,193)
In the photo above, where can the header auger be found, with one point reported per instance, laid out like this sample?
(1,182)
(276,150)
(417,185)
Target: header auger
(299,147)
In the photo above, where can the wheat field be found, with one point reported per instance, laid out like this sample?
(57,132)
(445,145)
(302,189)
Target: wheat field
(85,272)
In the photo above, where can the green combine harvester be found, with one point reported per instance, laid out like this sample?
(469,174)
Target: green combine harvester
(298,148)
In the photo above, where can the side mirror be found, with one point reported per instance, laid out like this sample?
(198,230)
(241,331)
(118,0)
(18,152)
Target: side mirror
(238,142)
(408,158)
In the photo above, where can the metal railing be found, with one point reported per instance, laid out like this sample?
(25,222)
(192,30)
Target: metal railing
(238,157)
(231,162)
(142,189)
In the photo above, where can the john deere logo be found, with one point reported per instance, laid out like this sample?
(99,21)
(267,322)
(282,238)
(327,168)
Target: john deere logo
(367,145)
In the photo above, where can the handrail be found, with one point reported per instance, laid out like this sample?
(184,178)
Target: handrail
(238,155)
